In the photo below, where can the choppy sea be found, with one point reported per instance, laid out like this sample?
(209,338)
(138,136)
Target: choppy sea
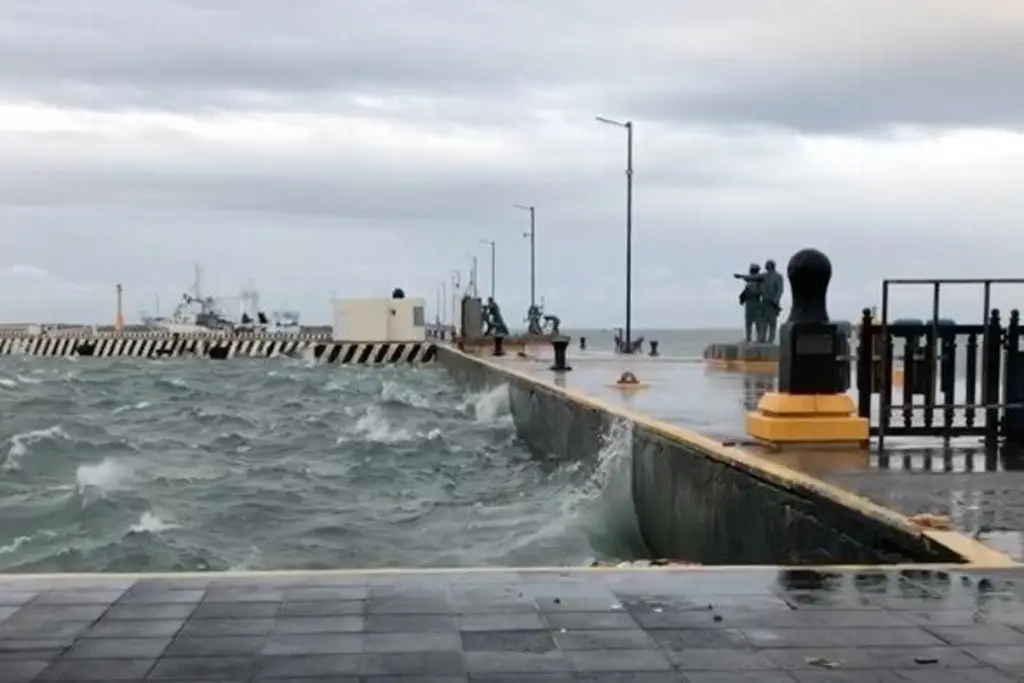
(134,465)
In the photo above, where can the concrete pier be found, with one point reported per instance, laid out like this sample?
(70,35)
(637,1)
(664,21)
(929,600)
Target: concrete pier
(982,494)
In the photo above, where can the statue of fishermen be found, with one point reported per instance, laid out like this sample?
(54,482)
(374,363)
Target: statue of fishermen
(496,323)
(750,299)
(533,320)
(772,288)
(553,324)
(488,317)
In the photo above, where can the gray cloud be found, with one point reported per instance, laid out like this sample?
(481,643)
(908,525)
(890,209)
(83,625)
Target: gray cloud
(333,145)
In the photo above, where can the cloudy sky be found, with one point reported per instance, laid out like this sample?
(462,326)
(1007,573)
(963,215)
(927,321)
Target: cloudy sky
(320,146)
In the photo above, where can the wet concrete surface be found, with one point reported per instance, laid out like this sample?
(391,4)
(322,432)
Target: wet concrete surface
(545,626)
(982,494)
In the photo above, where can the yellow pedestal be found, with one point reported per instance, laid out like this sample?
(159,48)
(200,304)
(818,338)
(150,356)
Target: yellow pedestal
(784,419)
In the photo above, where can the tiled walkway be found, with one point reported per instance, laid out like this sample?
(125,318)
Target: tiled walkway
(644,626)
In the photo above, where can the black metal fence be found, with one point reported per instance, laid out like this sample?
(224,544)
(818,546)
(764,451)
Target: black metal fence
(958,380)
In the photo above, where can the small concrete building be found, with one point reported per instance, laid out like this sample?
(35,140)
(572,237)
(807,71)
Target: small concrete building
(379,320)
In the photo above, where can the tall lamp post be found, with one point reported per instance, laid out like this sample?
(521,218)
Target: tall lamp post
(494,248)
(628,125)
(533,251)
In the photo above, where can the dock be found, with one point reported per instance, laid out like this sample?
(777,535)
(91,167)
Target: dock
(815,571)
(981,495)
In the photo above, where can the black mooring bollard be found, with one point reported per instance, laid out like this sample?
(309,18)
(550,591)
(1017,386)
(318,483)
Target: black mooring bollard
(560,344)
(654,347)
(809,341)
(583,343)
(499,346)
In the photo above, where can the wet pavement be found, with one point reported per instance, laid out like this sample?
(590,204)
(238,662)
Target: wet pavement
(546,626)
(983,495)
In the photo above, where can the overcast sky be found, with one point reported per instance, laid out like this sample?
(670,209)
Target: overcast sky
(320,146)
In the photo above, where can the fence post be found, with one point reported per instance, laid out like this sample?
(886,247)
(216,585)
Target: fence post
(865,364)
(1013,383)
(990,373)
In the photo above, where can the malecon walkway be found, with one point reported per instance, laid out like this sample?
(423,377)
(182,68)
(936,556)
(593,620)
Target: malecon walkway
(983,496)
(547,626)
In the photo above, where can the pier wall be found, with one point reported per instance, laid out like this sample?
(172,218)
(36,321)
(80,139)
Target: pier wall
(155,345)
(700,501)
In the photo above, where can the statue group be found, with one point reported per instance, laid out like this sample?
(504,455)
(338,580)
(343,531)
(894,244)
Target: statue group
(761,299)
(494,322)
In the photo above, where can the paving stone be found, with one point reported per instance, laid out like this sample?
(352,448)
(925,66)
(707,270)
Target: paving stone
(227,627)
(977,634)
(162,597)
(198,668)
(215,646)
(72,597)
(511,641)
(723,660)
(317,593)
(22,671)
(419,663)
(307,666)
(628,639)
(143,612)
(619,660)
(16,598)
(411,623)
(314,644)
(236,610)
(516,662)
(322,608)
(117,648)
(841,637)
(412,642)
(501,622)
(112,628)
(320,625)
(590,620)
(97,670)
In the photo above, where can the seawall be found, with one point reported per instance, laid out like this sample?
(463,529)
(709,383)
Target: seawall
(698,500)
(159,346)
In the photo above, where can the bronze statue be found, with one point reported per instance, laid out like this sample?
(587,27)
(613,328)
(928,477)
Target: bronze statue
(772,288)
(494,323)
(534,315)
(751,300)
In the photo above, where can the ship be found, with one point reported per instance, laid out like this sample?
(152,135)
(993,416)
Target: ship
(197,313)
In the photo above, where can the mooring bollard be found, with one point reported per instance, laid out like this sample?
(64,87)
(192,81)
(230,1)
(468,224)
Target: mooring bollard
(808,406)
(560,344)
(499,346)
(583,343)
(654,347)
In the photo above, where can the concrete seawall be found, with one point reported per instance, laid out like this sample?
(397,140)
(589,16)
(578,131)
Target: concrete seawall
(157,346)
(696,499)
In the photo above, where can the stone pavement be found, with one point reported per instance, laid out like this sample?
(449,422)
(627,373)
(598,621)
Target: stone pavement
(546,626)
(983,497)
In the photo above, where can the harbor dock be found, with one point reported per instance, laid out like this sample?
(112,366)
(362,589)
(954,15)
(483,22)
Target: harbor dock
(780,551)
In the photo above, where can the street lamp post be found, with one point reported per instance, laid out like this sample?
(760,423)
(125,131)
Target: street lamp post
(533,251)
(628,125)
(494,247)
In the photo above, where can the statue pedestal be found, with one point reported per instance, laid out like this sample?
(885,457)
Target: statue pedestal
(752,357)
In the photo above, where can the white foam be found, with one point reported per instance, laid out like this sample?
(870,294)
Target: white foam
(95,480)
(20,444)
(150,523)
(491,406)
